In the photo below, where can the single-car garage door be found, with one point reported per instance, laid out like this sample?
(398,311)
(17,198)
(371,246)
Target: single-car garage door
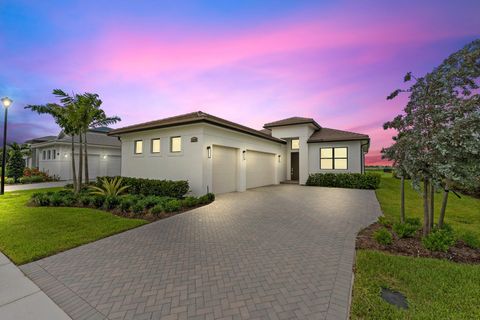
(260,169)
(224,169)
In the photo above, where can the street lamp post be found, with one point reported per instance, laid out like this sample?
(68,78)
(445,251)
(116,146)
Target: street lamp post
(6,102)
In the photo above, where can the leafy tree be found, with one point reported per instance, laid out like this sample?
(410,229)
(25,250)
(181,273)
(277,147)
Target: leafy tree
(16,162)
(442,123)
(66,117)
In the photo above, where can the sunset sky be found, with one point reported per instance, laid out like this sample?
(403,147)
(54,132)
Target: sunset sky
(250,62)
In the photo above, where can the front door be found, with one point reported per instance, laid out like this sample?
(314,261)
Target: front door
(294,166)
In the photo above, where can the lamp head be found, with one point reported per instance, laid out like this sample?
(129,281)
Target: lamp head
(6,102)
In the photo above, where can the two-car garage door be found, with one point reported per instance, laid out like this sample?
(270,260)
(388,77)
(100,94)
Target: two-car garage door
(260,169)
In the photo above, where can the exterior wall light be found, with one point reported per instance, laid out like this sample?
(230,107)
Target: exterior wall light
(105,157)
(209,152)
(66,155)
(279,157)
(244,152)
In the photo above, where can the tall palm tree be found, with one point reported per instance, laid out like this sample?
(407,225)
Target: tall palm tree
(92,116)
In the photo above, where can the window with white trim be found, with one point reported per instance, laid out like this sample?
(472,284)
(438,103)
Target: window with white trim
(175,144)
(334,158)
(155,145)
(138,147)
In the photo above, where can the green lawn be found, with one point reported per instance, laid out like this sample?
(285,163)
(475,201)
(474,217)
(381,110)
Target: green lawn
(462,214)
(435,289)
(30,233)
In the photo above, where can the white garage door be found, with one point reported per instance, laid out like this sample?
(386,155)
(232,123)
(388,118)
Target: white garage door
(93,166)
(224,169)
(260,169)
(113,166)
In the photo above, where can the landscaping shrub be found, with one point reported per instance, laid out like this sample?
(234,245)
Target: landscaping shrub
(69,200)
(344,180)
(157,209)
(24,180)
(138,207)
(206,198)
(15,164)
(98,201)
(189,202)
(414,222)
(126,203)
(36,179)
(172,205)
(40,199)
(9,181)
(56,200)
(439,239)
(383,236)
(384,221)
(150,201)
(146,187)
(111,202)
(405,230)
(85,200)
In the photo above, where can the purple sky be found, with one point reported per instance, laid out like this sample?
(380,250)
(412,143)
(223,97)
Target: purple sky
(250,62)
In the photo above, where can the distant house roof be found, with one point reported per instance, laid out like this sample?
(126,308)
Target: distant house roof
(96,136)
(40,139)
(328,134)
(291,121)
(193,117)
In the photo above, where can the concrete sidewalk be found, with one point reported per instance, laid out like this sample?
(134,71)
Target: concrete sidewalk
(40,185)
(21,299)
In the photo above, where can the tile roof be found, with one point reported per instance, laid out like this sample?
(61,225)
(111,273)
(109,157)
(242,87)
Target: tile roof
(193,117)
(328,134)
(291,121)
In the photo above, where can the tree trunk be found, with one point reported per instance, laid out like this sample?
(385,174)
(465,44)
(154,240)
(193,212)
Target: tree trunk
(432,204)
(402,200)
(444,207)
(74,170)
(426,213)
(86,159)
(80,161)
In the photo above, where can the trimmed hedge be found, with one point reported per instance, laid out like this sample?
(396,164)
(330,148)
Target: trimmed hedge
(151,187)
(344,180)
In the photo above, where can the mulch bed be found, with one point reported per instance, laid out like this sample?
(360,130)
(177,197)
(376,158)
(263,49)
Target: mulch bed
(413,247)
(149,216)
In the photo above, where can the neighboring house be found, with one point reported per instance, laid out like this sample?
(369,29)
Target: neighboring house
(220,156)
(52,154)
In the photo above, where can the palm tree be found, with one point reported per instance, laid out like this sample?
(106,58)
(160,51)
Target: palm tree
(66,116)
(92,116)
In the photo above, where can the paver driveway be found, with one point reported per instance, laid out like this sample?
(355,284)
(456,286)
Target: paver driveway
(280,252)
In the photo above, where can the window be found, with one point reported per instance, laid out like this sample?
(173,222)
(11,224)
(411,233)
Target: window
(334,158)
(138,147)
(176,144)
(44,155)
(49,152)
(155,145)
(54,154)
(295,144)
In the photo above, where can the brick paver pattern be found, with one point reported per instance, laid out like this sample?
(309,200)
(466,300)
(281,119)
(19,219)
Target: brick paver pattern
(280,252)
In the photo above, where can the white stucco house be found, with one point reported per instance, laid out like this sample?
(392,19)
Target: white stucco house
(217,155)
(52,154)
